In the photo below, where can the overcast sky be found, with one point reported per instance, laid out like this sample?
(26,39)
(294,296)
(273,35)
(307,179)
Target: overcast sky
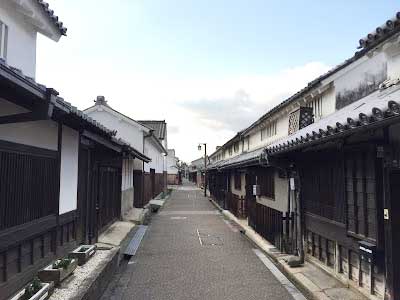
(208,67)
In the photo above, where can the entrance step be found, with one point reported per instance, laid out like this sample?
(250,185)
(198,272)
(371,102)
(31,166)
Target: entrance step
(135,242)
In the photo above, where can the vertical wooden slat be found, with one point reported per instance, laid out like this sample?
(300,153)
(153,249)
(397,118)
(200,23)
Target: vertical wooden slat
(349,266)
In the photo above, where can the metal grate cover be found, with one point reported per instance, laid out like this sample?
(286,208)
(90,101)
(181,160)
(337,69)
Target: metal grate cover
(135,242)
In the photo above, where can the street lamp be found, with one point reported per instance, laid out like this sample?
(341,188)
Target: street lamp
(205,166)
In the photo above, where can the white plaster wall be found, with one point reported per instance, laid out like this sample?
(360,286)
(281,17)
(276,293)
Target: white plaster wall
(21,51)
(69,170)
(171,165)
(128,132)
(157,159)
(328,102)
(41,134)
(393,61)
(281,195)
(125,130)
(242,190)
(127,174)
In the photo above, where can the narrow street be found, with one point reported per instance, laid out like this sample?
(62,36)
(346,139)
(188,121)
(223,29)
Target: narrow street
(191,252)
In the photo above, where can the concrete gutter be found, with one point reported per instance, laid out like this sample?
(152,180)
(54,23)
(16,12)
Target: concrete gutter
(89,281)
(310,279)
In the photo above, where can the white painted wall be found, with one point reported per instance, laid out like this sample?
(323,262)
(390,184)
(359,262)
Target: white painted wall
(281,195)
(69,170)
(157,159)
(127,174)
(41,134)
(242,190)
(171,165)
(22,35)
(125,130)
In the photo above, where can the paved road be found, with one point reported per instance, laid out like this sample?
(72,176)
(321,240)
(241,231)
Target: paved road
(191,252)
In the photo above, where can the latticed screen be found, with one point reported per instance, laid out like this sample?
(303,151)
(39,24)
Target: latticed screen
(300,118)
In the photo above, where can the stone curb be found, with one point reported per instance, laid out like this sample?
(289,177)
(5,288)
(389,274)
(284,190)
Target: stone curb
(265,247)
(103,276)
(95,289)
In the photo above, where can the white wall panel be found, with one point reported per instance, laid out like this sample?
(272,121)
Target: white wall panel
(69,170)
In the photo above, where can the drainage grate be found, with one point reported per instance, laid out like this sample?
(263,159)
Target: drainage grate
(135,242)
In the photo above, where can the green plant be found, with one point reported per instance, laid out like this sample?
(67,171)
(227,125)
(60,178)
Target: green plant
(31,289)
(62,263)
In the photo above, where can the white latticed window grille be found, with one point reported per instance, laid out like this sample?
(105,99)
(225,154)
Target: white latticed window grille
(268,131)
(316,105)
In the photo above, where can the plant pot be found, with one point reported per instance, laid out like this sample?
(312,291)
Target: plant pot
(83,256)
(57,275)
(42,294)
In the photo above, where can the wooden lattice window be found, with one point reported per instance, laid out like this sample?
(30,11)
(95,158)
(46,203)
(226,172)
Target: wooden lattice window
(323,186)
(360,194)
(300,118)
(29,183)
(266,181)
(238,181)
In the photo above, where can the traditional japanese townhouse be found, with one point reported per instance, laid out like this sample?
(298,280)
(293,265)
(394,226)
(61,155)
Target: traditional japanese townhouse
(334,147)
(196,171)
(60,172)
(346,170)
(142,180)
(173,169)
(157,145)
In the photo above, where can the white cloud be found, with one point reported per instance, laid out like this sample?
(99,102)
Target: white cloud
(196,109)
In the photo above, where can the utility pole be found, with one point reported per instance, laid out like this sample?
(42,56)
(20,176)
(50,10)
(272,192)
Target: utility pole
(205,167)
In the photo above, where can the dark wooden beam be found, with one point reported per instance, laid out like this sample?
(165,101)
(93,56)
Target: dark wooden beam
(101,140)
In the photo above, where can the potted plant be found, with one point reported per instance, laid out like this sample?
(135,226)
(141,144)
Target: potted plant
(35,290)
(83,253)
(58,270)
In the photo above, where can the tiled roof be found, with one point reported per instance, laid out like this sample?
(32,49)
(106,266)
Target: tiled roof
(377,109)
(246,158)
(159,127)
(381,33)
(53,18)
(59,103)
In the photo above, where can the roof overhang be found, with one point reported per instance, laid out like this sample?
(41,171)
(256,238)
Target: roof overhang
(378,110)
(41,17)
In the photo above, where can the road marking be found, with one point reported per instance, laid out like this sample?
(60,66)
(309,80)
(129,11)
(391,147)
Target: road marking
(230,225)
(198,234)
(178,218)
(188,212)
(296,294)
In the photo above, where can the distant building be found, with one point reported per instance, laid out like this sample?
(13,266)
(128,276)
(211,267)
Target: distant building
(141,181)
(173,169)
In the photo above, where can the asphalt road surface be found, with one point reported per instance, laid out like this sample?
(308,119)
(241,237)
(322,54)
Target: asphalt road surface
(191,252)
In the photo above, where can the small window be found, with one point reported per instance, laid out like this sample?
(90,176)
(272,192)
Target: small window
(236,147)
(230,150)
(266,181)
(268,131)
(238,181)
(3,40)
(316,105)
